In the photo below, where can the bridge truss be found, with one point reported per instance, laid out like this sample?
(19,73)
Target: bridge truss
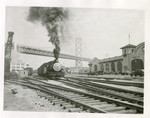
(35,51)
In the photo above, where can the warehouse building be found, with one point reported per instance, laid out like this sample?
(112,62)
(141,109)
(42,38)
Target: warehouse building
(19,65)
(132,58)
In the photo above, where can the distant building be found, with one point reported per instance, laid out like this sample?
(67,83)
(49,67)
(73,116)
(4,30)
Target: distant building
(19,65)
(23,73)
(78,70)
(132,58)
(30,71)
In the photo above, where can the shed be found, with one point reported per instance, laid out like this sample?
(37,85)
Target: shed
(23,73)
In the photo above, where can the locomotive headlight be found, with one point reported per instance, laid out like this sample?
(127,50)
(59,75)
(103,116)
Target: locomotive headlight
(57,66)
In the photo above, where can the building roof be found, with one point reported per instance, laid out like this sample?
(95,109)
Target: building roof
(95,59)
(128,46)
(107,59)
(112,59)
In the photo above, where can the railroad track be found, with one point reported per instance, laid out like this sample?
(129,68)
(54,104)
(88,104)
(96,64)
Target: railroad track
(100,85)
(112,92)
(110,81)
(80,101)
(55,98)
(111,78)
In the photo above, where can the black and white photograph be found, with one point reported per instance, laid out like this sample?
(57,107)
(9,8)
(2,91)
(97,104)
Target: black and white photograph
(74,60)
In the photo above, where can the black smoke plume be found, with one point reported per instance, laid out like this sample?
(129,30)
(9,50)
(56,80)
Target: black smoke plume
(53,19)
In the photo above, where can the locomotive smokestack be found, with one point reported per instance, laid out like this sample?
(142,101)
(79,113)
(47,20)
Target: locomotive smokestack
(53,19)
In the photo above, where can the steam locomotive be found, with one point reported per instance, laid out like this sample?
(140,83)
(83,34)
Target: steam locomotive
(52,70)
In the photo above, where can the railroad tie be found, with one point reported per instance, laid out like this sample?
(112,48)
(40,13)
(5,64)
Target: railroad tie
(59,102)
(67,106)
(56,100)
(95,103)
(86,101)
(135,97)
(74,97)
(105,106)
(141,98)
(75,110)
(112,109)
(41,94)
(80,99)
(50,98)
(65,103)
(130,111)
(91,101)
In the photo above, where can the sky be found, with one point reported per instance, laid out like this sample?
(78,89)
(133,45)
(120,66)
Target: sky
(103,33)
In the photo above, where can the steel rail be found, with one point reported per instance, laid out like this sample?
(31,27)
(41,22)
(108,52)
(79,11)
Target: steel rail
(106,86)
(110,81)
(103,92)
(112,100)
(65,98)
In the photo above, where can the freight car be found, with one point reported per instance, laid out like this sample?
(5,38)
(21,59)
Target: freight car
(52,70)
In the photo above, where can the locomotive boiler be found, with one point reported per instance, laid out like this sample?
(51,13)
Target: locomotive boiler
(52,70)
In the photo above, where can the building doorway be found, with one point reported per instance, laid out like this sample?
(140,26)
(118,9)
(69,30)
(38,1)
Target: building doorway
(137,64)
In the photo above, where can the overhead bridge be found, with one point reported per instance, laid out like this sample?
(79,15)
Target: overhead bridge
(35,51)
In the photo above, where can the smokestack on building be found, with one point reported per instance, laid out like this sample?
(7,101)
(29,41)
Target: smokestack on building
(8,48)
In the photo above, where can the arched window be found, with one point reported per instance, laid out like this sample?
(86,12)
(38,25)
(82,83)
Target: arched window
(119,66)
(102,67)
(95,68)
(137,64)
(107,67)
(113,66)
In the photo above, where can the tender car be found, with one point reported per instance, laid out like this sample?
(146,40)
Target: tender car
(139,72)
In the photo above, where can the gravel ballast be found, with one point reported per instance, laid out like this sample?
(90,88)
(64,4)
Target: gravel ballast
(19,98)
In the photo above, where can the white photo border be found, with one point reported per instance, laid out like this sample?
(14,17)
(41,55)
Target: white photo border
(110,4)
